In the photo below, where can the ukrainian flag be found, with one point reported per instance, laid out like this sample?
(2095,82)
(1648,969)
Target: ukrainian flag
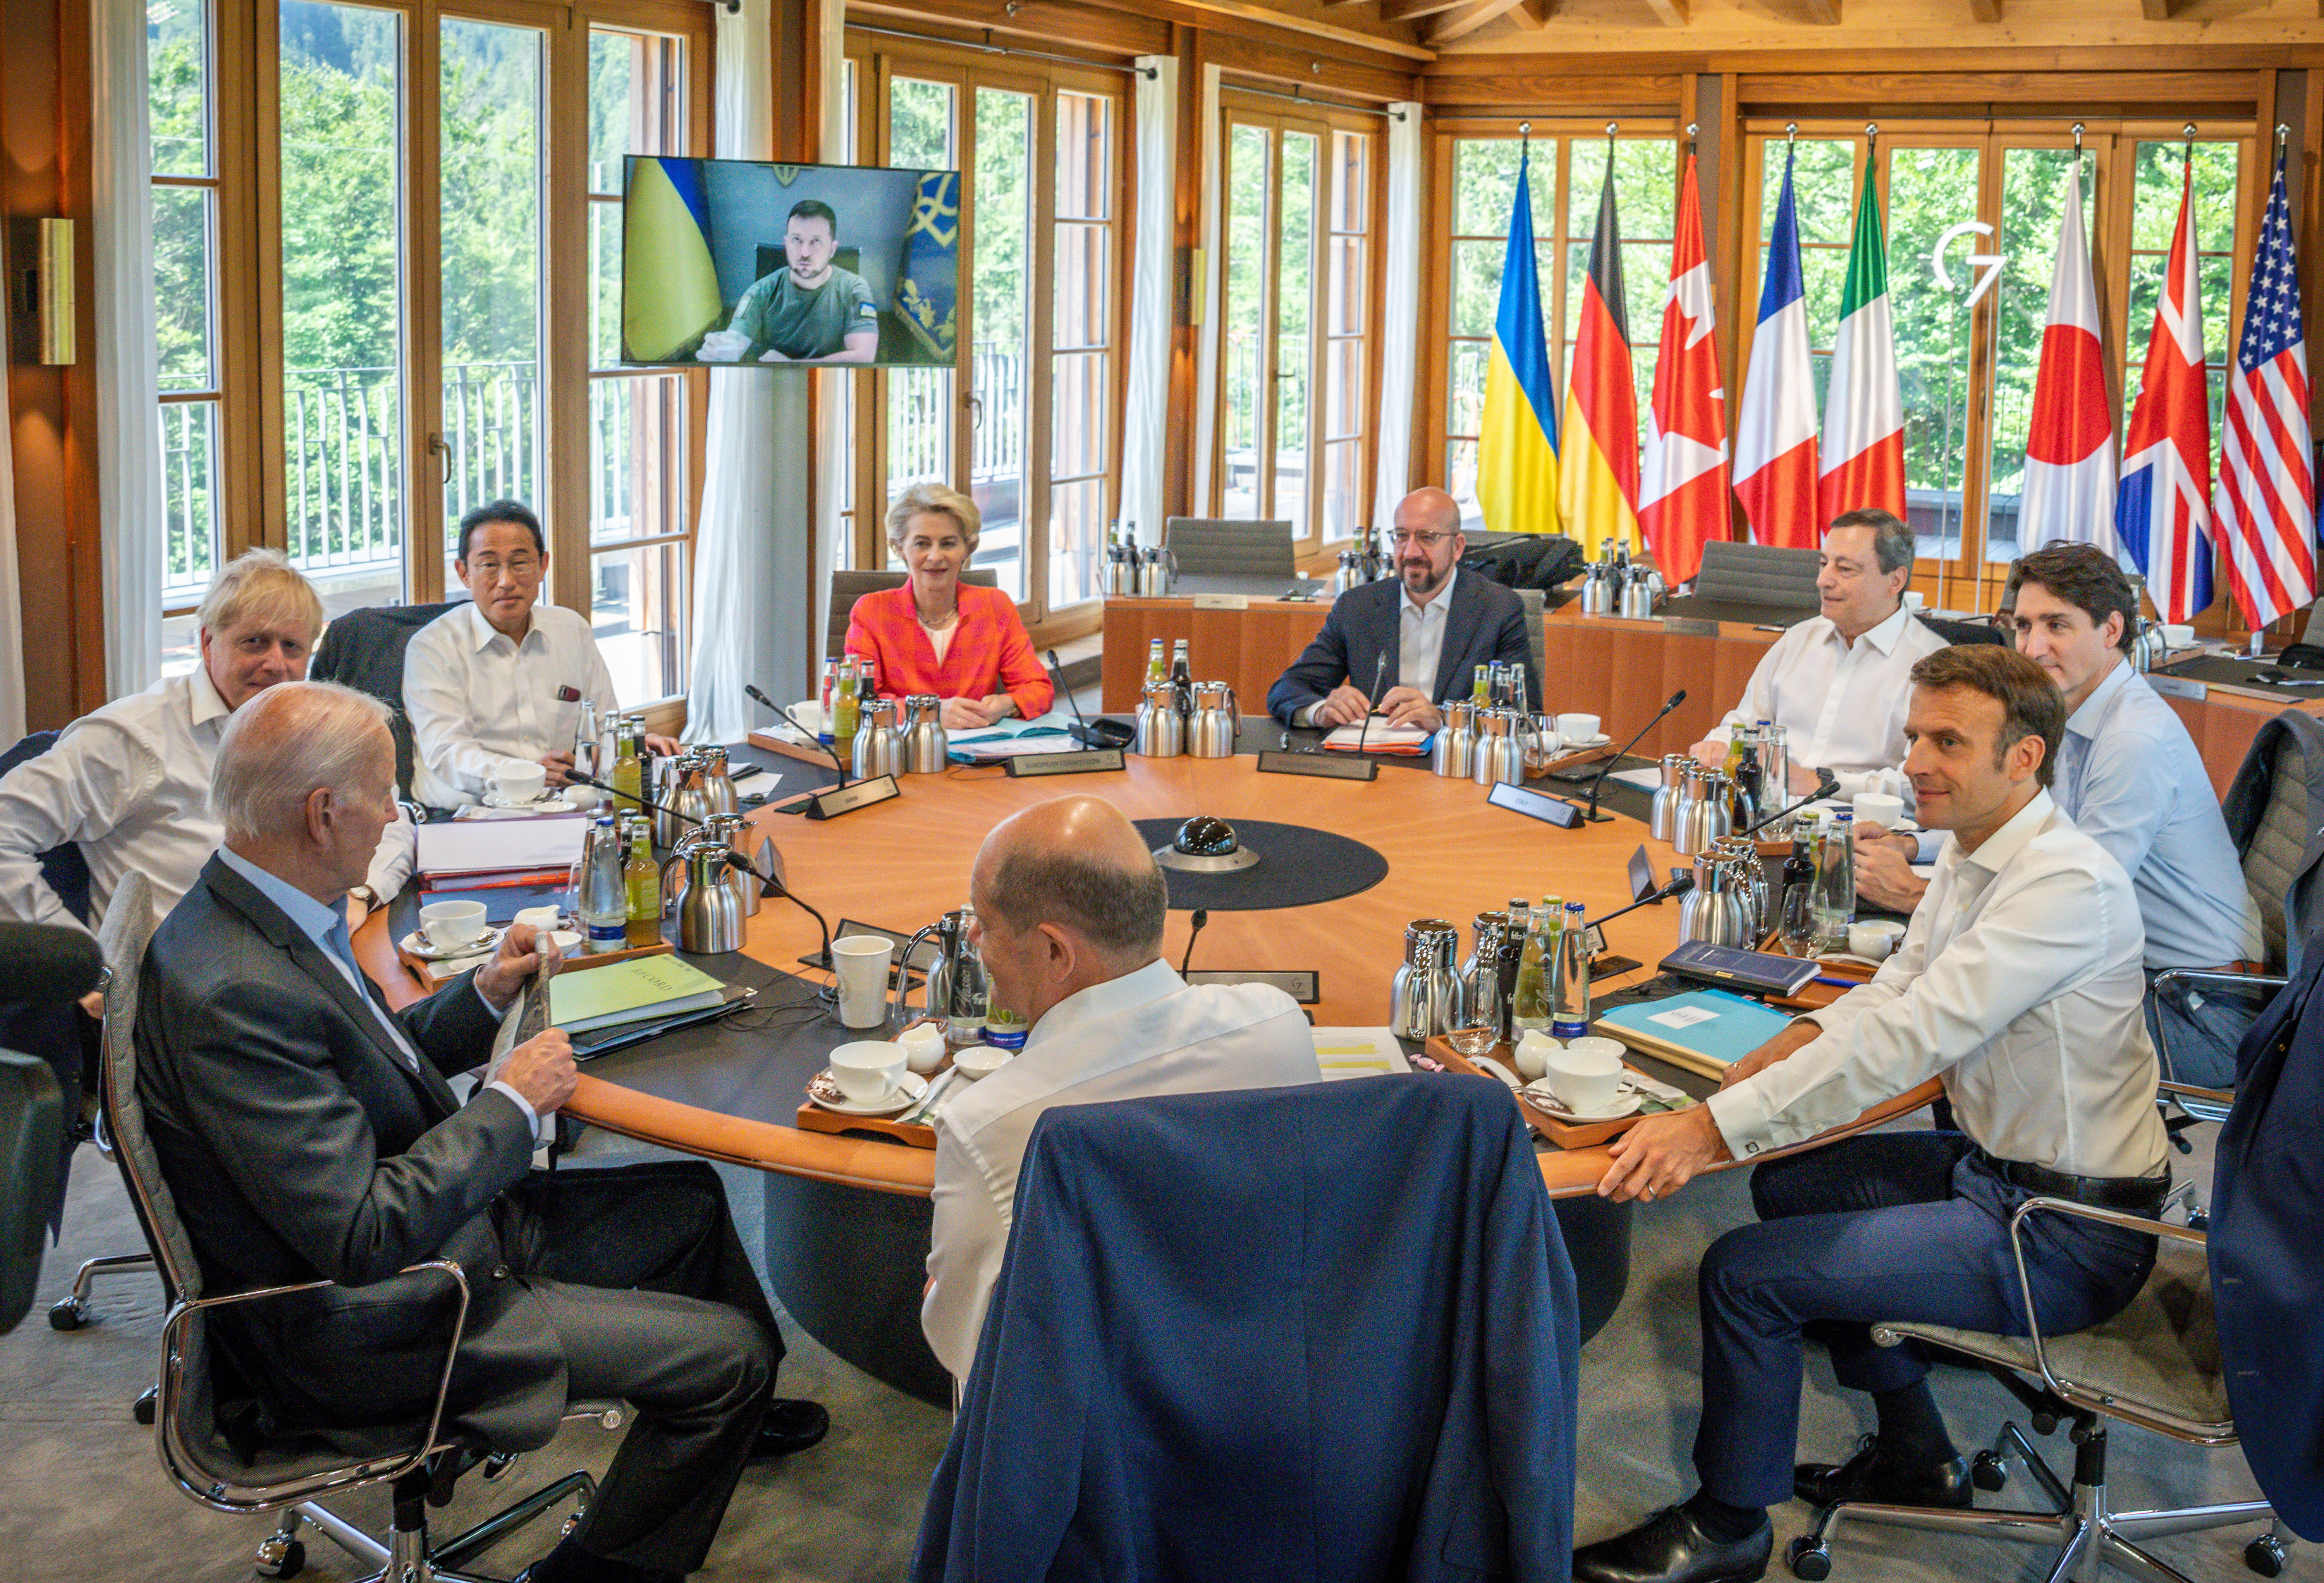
(1517,447)
(669,293)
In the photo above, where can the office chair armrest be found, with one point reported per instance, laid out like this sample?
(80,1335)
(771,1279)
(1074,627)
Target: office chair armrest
(2208,975)
(177,1456)
(2190,1091)
(2116,1217)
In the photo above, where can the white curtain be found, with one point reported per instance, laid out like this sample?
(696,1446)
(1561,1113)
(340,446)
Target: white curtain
(12,613)
(745,468)
(128,382)
(1399,312)
(1145,417)
(833,449)
(1206,340)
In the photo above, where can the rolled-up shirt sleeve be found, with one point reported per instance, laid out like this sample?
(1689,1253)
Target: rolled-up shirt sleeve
(80,790)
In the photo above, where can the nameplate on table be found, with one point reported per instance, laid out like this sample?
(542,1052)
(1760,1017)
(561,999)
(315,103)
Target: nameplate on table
(1221,602)
(847,799)
(1272,762)
(1688,627)
(1302,985)
(1082,763)
(2194,692)
(1549,810)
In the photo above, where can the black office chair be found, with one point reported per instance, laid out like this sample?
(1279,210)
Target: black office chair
(363,649)
(221,1456)
(1964,632)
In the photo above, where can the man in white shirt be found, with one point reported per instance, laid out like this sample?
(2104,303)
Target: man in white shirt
(500,680)
(2017,984)
(130,784)
(1836,683)
(1070,908)
(2128,776)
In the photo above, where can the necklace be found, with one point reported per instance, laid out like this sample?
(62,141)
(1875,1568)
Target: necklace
(949,617)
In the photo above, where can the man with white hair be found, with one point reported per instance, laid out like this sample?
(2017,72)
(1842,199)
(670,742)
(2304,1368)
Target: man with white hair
(130,783)
(307,1132)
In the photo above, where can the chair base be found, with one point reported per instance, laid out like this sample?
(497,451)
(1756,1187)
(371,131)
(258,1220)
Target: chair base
(2090,1535)
(407,1556)
(71,1312)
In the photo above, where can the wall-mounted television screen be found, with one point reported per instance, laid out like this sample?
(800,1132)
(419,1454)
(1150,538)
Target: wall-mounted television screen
(739,263)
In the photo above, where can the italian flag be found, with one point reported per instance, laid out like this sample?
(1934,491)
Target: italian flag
(1863,447)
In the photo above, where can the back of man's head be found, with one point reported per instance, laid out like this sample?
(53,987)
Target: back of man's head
(284,744)
(1078,864)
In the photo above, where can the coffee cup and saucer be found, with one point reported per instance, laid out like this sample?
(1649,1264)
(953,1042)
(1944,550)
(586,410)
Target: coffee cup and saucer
(523,787)
(449,930)
(1586,1081)
(869,1077)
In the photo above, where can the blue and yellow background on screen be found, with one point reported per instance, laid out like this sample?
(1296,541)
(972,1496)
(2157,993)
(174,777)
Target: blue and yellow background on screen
(692,232)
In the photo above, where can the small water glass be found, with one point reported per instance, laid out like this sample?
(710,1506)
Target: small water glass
(1798,921)
(1473,1042)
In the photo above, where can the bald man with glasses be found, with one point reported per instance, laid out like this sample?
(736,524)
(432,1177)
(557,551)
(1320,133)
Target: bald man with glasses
(1412,643)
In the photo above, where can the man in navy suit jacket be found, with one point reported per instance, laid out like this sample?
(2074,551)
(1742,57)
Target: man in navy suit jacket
(1420,637)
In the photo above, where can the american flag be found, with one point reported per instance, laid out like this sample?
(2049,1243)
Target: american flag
(2265,501)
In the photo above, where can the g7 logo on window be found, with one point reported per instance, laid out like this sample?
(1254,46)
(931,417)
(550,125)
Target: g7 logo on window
(1987,263)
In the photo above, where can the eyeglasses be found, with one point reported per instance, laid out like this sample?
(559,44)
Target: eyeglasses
(1401,538)
(518,566)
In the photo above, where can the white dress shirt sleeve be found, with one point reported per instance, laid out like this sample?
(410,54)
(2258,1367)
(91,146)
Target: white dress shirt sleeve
(1759,700)
(437,698)
(93,779)
(391,865)
(965,1243)
(1918,1017)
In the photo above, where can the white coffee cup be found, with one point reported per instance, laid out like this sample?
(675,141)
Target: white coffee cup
(1577,729)
(1915,599)
(1532,1054)
(1878,808)
(924,1047)
(868,1070)
(1586,1074)
(2179,634)
(450,925)
(1874,937)
(568,942)
(861,963)
(515,781)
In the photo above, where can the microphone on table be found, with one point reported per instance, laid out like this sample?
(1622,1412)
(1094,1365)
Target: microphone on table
(1680,885)
(1380,669)
(1826,784)
(1598,782)
(814,737)
(43,963)
(1104,734)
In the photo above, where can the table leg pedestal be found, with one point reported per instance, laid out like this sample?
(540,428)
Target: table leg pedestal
(1598,1240)
(848,1264)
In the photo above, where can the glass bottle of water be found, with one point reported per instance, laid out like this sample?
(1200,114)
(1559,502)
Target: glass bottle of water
(1570,1005)
(1835,883)
(605,890)
(964,1019)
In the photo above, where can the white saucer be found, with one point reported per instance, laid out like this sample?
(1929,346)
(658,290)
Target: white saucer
(822,1088)
(417,944)
(547,803)
(1625,1103)
(1582,744)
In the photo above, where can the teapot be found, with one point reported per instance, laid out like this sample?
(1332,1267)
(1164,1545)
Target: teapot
(1481,1000)
(1158,568)
(1712,911)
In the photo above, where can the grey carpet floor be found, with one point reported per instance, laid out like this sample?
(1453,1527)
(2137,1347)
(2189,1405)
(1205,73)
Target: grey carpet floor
(83,1496)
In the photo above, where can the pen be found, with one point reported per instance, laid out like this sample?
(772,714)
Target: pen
(1839,982)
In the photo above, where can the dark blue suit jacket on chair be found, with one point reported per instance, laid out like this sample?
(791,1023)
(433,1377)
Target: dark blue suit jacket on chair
(1486,624)
(1262,1335)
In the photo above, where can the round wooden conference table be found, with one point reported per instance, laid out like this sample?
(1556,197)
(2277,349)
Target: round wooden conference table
(832,1199)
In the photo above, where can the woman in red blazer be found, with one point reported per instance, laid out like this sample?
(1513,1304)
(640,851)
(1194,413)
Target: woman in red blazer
(935,635)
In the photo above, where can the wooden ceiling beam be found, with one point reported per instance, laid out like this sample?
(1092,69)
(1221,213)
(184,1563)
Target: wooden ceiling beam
(1533,15)
(1672,13)
(1408,10)
(2158,10)
(1985,10)
(1471,15)
(1819,13)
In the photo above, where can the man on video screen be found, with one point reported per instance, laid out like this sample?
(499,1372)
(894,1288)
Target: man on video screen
(808,311)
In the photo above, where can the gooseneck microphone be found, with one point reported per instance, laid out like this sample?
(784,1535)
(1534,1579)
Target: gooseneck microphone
(814,737)
(1598,781)
(1680,885)
(1824,787)
(1379,670)
(1104,734)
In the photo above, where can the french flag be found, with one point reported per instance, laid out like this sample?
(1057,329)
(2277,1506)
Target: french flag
(2163,511)
(1776,431)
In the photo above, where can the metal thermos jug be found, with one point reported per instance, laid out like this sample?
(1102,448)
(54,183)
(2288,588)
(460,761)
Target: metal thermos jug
(1122,570)
(1598,592)
(1456,740)
(1751,884)
(1158,568)
(684,802)
(925,743)
(1638,595)
(1161,731)
(1482,1001)
(879,745)
(709,915)
(1425,999)
(1211,734)
(717,784)
(1701,816)
(732,832)
(937,1001)
(1351,573)
(1661,822)
(1501,749)
(1712,911)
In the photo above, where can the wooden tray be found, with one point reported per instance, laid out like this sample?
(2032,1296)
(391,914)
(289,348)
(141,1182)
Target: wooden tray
(815,1119)
(1567,761)
(1814,998)
(1565,1134)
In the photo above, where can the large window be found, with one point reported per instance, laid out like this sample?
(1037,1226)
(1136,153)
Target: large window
(1295,373)
(180,64)
(1026,423)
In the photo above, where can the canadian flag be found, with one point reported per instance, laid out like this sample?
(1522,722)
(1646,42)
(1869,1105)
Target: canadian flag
(2070,473)
(1683,485)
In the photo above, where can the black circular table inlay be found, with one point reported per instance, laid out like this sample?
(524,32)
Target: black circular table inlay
(1298,867)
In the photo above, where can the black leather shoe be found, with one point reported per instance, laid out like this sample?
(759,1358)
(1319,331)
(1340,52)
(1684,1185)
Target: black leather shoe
(791,1426)
(1669,1548)
(1867,1475)
(569,1563)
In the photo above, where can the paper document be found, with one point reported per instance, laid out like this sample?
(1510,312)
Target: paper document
(500,846)
(1358,1053)
(1648,779)
(1379,736)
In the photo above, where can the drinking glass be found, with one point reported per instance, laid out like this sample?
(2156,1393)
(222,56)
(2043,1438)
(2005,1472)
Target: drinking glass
(1798,921)
(1775,776)
(1473,1042)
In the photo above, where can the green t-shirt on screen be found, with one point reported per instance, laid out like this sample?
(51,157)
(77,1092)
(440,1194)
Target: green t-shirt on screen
(777,315)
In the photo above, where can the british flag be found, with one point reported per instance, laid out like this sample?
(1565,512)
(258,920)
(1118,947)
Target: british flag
(2162,511)
(2265,503)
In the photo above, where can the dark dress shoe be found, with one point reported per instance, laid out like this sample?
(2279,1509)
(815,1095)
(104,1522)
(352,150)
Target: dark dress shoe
(1669,1547)
(569,1563)
(791,1426)
(1867,1475)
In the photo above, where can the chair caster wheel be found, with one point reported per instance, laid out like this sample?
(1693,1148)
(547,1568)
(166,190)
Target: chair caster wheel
(2264,1555)
(1988,1472)
(280,1558)
(1809,1561)
(70,1314)
(2045,1423)
(141,1410)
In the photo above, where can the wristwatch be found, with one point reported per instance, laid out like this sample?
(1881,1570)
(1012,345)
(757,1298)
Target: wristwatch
(366,895)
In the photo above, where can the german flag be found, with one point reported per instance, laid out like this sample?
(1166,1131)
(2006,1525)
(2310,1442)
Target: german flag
(1597,464)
